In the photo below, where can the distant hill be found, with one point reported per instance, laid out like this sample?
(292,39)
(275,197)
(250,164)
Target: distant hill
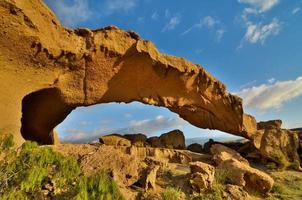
(202,140)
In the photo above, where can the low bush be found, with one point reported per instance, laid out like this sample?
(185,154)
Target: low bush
(37,172)
(171,194)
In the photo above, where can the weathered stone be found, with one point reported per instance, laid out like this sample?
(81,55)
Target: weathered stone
(85,67)
(222,153)
(154,141)
(195,148)
(242,174)
(174,139)
(123,167)
(272,124)
(138,140)
(280,146)
(239,170)
(202,176)
(234,192)
(149,177)
(115,140)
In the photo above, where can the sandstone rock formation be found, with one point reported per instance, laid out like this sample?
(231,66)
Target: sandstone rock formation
(239,170)
(149,177)
(202,176)
(123,167)
(174,139)
(47,70)
(138,140)
(115,140)
(234,192)
(195,148)
(278,145)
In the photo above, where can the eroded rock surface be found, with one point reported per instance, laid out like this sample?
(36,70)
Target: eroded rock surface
(48,70)
(239,170)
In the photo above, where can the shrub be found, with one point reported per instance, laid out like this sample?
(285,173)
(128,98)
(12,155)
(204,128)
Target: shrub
(280,159)
(25,173)
(171,194)
(222,176)
(215,193)
(280,191)
(168,174)
(98,186)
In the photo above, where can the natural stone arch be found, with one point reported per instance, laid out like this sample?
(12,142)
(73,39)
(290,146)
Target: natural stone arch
(82,67)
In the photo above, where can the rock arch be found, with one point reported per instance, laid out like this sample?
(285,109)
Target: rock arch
(59,69)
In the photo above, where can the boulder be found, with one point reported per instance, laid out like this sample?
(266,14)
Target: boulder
(222,153)
(202,176)
(235,192)
(280,146)
(195,148)
(239,170)
(272,124)
(242,174)
(174,139)
(148,179)
(154,141)
(115,140)
(138,140)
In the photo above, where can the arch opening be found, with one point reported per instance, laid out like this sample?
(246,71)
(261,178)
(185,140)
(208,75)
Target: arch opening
(41,112)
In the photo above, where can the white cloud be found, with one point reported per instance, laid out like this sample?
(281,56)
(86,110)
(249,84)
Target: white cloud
(146,126)
(208,22)
(155,16)
(173,22)
(72,14)
(260,5)
(219,34)
(272,94)
(258,32)
(120,5)
(296,10)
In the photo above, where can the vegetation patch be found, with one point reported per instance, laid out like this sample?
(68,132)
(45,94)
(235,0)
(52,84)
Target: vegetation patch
(171,194)
(37,172)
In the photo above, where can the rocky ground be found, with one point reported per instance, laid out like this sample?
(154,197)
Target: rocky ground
(164,168)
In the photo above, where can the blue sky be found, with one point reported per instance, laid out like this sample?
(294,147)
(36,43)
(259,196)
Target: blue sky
(253,46)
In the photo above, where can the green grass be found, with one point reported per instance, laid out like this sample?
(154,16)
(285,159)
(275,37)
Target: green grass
(222,177)
(24,172)
(171,194)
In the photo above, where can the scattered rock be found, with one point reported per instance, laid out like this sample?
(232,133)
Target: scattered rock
(202,176)
(244,175)
(115,140)
(280,146)
(149,177)
(239,170)
(195,148)
(174,139)
(222,153)
(234,192)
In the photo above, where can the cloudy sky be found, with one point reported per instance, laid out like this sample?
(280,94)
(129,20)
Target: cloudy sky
(253,46)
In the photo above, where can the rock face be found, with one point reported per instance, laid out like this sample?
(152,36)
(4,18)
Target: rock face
(278,145)
(115,140)
(239,170)
(202,176)
(138,140)
(149,177)
(84,67)
(195,148)
(272,124)
(174,139)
